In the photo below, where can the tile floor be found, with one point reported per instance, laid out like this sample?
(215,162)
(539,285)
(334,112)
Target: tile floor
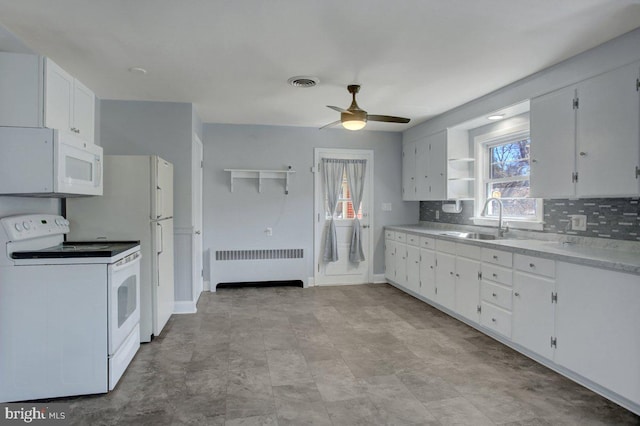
(351,355)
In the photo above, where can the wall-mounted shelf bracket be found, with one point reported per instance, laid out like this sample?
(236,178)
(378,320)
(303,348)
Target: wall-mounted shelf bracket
(261,175)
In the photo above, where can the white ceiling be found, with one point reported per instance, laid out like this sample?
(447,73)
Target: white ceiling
(232,58)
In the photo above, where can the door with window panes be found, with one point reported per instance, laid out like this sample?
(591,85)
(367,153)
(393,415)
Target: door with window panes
(343,271)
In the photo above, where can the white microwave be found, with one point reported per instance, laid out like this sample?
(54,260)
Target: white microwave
(41,162)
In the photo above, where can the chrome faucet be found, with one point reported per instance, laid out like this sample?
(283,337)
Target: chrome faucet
(501,230)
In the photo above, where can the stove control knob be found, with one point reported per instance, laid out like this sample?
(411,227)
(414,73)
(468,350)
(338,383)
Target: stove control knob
(18,227)
(26,225)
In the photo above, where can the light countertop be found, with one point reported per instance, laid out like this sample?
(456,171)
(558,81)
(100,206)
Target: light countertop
(616,259)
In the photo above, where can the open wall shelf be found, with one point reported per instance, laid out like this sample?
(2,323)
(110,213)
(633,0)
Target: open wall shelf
(260,175)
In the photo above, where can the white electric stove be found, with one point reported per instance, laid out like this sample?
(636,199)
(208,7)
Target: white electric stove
(69,311)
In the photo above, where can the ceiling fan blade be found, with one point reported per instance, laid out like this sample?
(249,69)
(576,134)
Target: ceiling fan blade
(339,109)
(387,118)
(329,125)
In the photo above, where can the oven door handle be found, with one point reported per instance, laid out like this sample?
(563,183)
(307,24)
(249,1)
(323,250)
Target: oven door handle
(127,261)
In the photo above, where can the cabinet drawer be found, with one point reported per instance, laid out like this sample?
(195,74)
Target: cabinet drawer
(467,250)
(390,235)
(446,246)
(496,294)
(535,265)
(496,319)
(413,240)
(401,236)
(428,243)
(498,257)
(497,273)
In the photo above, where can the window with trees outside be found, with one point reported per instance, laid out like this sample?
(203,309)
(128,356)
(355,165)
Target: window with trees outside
(505,175)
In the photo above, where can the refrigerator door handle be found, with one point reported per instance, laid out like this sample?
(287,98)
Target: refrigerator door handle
(159,202)
(161,239)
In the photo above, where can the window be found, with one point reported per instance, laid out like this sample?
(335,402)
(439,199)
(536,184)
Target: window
(504,167)
(344,209)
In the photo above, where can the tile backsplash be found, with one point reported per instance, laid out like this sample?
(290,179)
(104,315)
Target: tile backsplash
(615,218)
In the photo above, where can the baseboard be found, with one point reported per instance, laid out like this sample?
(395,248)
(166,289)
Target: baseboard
(310,282)
(379,279)
(184,307)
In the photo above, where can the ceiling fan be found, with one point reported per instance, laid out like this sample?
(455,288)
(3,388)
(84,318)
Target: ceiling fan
(354,118)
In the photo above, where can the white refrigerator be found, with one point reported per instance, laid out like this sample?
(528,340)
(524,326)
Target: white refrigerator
(137,204)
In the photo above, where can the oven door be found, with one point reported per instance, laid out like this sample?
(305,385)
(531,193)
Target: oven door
(78,166)
(124,299)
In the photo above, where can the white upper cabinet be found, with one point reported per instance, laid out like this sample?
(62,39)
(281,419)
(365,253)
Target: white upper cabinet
(409,171)
(36,92)
(553,126)
(608,137)
(585,139)
(424,168)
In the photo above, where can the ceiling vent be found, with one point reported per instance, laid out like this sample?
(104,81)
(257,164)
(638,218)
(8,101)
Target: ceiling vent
(303,81)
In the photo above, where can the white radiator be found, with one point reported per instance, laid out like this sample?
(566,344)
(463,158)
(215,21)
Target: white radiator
(236,266)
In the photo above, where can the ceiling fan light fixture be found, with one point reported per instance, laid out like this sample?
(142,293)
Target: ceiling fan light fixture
(494,117)
(354,124)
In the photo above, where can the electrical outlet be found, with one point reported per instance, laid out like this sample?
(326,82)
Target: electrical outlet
(578,222)
(269,232)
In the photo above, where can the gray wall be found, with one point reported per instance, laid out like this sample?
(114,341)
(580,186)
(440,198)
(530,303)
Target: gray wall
(237,220)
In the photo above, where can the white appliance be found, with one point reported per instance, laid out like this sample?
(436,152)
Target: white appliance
(45,162)
(137,203)
(69,311)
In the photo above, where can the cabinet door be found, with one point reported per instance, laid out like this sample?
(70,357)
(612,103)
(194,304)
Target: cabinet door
(401,264)
(428,274)
(390,259)
(467,288)
(438,166)
(533,313)
(608,135)
(58,97)
(413,268)
(422,169)
(446,280)
(597,319)
(409,171)
(553,122)
(83,112)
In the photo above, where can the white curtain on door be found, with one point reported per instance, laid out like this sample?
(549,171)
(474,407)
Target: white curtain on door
(355,179)
(333,170)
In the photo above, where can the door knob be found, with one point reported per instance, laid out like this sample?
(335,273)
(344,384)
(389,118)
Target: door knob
(365,226)
(197,232)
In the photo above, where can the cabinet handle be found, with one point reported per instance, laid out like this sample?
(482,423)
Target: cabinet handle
(450,273)
(531,265)
(493,320)
(494,295)
(495,275)
(534,160)
(458,275)
(583,154)
(495,257)
(431,266)
(516,294)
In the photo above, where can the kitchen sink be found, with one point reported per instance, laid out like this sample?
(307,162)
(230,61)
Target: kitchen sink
(470,235)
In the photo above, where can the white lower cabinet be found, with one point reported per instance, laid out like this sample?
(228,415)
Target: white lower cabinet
(445,280)
(401,264)
(413,268)
(533,313)
(468,282)
(428,274)
(597,318)
(390,259)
